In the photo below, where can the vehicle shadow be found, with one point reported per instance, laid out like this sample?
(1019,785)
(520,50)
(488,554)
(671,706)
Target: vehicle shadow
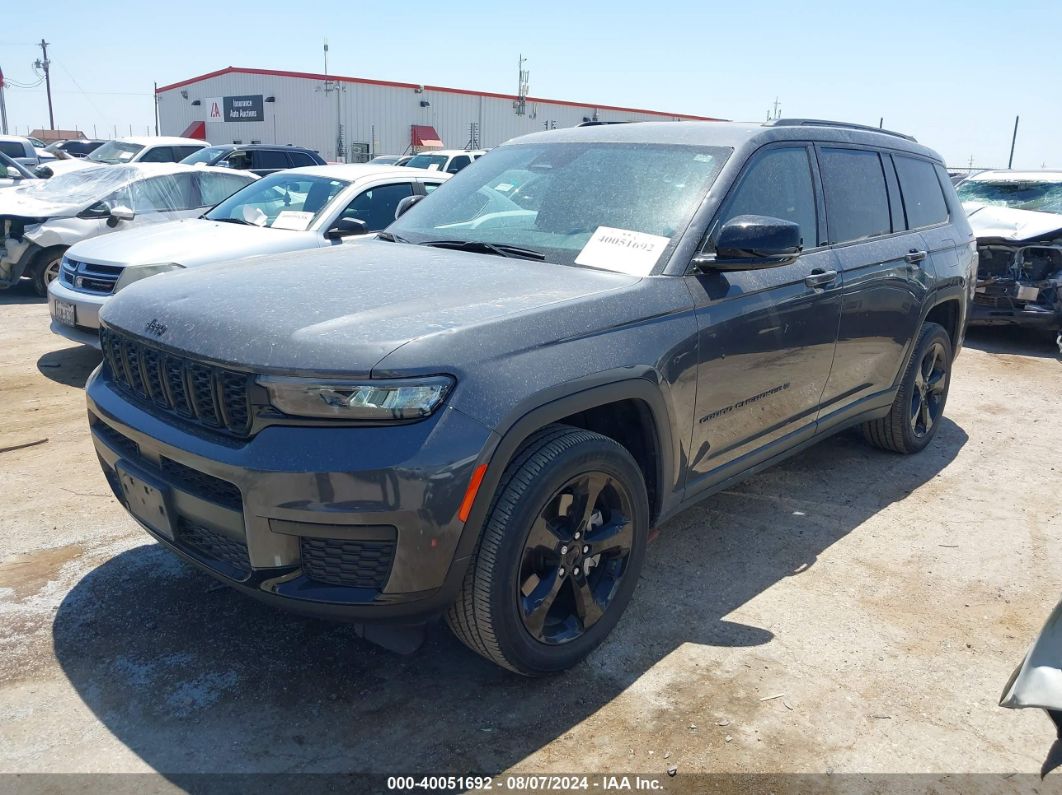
(195,678)
(1013,340)
(70,366)
(21,293)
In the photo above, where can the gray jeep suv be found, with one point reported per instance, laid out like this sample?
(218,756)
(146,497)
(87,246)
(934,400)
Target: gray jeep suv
(482,413)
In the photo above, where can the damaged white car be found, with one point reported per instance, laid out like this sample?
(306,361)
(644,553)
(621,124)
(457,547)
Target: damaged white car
(1037,683)
(40,220)
(1017,217)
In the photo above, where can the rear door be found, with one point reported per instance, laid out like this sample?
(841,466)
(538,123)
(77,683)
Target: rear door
(766,336)
(884,281)
(268,161)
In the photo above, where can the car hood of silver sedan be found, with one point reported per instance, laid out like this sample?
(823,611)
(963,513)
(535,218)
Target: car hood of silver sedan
(190,242)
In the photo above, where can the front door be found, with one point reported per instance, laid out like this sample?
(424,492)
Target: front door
(766,336)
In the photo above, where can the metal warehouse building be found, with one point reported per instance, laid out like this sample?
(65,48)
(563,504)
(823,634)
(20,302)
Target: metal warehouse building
(353,118)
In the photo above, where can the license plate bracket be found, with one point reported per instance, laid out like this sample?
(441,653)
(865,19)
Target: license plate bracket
(147,499)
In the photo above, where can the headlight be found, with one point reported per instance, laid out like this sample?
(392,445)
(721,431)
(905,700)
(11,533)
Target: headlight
(358,400)
(135,273)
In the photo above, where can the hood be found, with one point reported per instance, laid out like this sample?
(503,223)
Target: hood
(342,309)
(66,194)
(58,166)
(21,201)
(191,242)
(1007,223)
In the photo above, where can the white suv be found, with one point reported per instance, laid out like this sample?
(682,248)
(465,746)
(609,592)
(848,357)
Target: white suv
(448,160)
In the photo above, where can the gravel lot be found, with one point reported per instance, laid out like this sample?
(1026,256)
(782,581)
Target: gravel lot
(850,610)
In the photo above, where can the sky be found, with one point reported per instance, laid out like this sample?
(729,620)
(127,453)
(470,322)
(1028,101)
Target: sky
(953,74)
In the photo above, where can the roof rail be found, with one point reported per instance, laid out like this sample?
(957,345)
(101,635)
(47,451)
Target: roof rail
(843,124)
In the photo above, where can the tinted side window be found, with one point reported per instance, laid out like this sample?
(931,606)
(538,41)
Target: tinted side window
(922,195)
(158,154)
(458,163)
(376,206)
(778,185)
(268,158)
(857,203)
(12,148)
(169,193)
(181,152)
(214,188)
(299,159)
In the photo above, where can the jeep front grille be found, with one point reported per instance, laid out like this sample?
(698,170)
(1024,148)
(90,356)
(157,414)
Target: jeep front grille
(210,396)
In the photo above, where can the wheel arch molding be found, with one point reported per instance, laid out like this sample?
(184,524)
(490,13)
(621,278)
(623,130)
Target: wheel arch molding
(637,389)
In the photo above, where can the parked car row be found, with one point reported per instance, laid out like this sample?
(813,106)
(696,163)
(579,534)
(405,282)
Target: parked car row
(449,161)
(287,211)
(480,411)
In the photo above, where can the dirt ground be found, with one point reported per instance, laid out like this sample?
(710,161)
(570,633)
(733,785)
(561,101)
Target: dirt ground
(847,611)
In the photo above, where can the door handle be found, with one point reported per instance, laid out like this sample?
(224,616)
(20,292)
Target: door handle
(820,278)
(914,256)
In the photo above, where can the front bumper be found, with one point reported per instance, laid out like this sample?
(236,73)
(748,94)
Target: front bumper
(87,307)
(349,523)
(15,259)
(1006,313)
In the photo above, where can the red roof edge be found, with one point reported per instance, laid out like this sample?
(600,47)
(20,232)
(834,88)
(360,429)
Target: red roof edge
(444,89)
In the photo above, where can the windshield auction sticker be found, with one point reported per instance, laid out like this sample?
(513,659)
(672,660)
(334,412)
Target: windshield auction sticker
(622,251)
(292,219)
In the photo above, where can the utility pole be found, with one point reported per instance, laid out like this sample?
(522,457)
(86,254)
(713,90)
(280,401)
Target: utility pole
(45,64)
(326,55)
(3,105)
(1013,140)
(156,108)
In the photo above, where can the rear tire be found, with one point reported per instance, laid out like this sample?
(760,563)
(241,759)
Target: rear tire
(45,268)
(916,412)
(559,556)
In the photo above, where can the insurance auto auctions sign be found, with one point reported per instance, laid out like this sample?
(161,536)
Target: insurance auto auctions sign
(248,107)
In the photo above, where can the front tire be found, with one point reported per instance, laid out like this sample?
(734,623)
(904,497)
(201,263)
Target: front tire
(45,269)
(559,556)
(915,416)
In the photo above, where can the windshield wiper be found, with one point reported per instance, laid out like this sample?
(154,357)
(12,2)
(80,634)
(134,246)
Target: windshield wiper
(479,246)
(391,237)
(231,221)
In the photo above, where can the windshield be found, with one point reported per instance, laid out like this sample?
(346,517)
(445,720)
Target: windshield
(431,162)
(280,201)
(574,203)
(115,152)
(205,155)
(80,187)
(1044,197)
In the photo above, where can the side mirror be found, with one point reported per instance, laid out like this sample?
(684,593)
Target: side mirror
(347,227)
(405,204)
(119,213)
(749,242)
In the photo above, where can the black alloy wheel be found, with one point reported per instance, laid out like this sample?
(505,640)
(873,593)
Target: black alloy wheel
(575,556)
(927,398)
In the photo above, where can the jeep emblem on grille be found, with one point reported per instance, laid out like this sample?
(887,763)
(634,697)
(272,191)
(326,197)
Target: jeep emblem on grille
(156,328)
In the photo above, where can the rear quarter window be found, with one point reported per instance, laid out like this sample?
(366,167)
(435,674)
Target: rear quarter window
(857,200)
(923,198)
